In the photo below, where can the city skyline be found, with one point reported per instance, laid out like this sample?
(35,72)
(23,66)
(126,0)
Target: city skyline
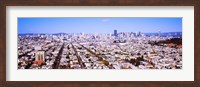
(127,44)
(98,25)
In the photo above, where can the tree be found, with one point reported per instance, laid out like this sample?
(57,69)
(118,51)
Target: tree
(132,61)
(87,55)
(105,62)
(89,60)
(137,63)
(126,60)
(67,57)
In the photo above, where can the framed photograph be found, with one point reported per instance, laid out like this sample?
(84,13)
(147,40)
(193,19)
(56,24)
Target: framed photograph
(104,43)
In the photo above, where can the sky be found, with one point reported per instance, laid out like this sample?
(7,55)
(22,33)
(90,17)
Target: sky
(98,25)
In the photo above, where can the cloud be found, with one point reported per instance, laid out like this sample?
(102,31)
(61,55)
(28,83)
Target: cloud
(105,20)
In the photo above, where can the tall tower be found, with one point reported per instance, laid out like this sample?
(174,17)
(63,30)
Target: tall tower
(139,34)
(159,33)
(115,33)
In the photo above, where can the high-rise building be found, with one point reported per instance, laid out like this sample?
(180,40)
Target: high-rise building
(115,33)
(159,33)
(139,34)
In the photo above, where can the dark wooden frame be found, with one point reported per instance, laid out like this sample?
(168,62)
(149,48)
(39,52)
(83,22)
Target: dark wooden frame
(4,3)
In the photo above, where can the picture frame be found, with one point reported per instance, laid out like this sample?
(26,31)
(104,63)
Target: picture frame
(4,83)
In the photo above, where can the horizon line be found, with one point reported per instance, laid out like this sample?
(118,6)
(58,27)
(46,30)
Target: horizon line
(98,33)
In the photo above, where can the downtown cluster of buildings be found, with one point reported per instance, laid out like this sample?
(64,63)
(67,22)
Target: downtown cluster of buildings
(124,50)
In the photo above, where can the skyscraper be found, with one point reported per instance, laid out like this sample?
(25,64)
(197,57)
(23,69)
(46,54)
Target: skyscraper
(115,33)
(139,34)
(159,33)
